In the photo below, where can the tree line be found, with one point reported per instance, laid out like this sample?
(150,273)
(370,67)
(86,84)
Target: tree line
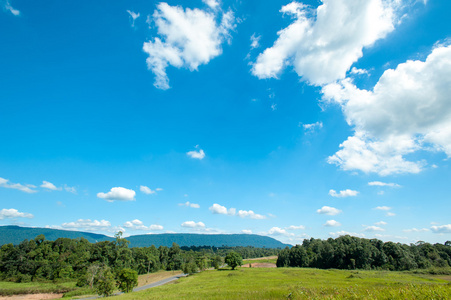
(348,252)
(78,259)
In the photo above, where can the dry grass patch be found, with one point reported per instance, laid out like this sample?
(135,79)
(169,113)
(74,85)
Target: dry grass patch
(154,277)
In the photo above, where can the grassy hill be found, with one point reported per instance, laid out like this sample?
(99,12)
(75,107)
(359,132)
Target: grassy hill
(16,234)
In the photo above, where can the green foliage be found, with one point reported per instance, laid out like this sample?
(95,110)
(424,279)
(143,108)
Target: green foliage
(347,252)
(233,259)
(127,279)
(105,282)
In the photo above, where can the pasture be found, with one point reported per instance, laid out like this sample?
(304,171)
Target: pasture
(300,283)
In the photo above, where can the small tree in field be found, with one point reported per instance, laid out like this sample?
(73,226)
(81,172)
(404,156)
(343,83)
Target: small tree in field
(233,259)
(127,280)
(105,282)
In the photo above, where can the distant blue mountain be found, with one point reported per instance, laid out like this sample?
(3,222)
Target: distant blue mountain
(16,234)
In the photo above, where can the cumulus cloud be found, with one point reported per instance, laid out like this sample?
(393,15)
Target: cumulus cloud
(134,16)
(327,210)
(332,223)
(342,194)
(222,210)
(246,231)
(213,4)
(279,231)
(17,186)
(408,110)
(294,227)
(196,154)
(119,194)
(441,229)
(49,186)
(373,228)
(192,224)
(13,214)
(322,44)
(189,204)
(139,225)
(187,38)
(379,183)
(7,6)
(88,225)
(250,214)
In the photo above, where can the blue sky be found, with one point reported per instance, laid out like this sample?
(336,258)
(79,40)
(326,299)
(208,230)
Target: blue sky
(287,119)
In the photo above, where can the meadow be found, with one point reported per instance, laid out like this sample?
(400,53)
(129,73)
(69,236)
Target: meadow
(300,283)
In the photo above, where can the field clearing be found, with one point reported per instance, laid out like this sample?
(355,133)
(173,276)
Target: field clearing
(154,277)
(296,283)
(267,259)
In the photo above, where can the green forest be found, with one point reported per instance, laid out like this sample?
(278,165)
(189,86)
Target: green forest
(65,259)
(348,252)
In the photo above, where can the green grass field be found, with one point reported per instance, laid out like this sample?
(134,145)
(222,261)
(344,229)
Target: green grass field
(295,283)
(12,288)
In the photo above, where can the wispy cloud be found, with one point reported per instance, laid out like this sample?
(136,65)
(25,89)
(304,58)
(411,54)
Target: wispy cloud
(342,194)
(189,204)
(17,186)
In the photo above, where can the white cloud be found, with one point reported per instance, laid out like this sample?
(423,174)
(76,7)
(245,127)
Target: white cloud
(416,230)
(279,231)
(49,186)
(17,186)
(134,16)
(146,190)
(379,183)
(13,214)
(70,189)
(356,71)
(222,210)
(155,227)
(213,4)
(118,193)
(187,38)
(138,225)
(373,228)
(255,39)
(341,233)
(386,208)
(310,128)
(390,214)
(192,224)
(88,225)
(408,110)
(246,231)
(273,107)
(293,227)
(441,229)
(322,47)
(196,154)
(7,6)
(250,214)
(380,223)
(332,223)
(342,194)
(327,210)
(189,204)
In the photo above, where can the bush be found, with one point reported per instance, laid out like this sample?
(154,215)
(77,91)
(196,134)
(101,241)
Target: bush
(127,280)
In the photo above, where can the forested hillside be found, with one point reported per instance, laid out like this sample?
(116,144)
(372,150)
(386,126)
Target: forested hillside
(77,258)
(16,234)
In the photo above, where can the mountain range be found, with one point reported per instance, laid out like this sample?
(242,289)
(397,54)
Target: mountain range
(16,234)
